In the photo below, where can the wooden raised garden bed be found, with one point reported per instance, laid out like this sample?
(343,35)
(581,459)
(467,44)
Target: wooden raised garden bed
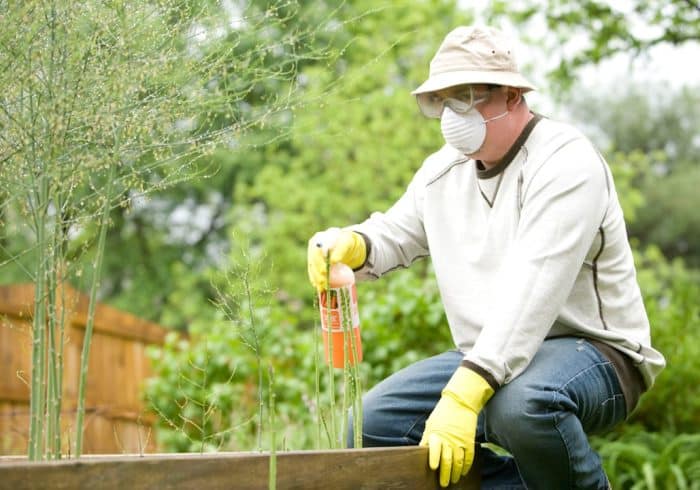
(354,469)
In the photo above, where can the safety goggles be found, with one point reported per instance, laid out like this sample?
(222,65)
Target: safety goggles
(432,104)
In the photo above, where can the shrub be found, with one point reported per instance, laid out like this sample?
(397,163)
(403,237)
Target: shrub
(403,321)
(638,460)
(671,293)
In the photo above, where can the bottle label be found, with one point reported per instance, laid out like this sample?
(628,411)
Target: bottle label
(344,312)
(340,326)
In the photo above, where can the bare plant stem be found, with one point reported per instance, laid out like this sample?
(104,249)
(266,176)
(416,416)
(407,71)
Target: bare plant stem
(346,325)
(331,373)
(56,308)
(352,372)
(205,403)
(272,479)
(104,221)
(317,379)
(356,394)
(53,434)
(258,355)
(36,428)
(59,364)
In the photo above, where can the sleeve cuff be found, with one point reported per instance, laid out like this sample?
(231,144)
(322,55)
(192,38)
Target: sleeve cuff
(488,377)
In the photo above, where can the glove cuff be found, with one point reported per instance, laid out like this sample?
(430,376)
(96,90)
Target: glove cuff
(468,388)
(354,251)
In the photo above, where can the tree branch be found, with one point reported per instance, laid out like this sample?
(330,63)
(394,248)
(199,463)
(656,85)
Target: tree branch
(694,5)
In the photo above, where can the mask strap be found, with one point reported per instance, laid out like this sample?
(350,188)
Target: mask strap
(496,117)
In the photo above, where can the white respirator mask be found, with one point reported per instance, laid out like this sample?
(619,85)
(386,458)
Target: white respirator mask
(465,132)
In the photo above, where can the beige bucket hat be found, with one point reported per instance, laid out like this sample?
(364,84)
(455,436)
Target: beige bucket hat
(474,54)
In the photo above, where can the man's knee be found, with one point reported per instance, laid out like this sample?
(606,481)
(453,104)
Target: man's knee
(516,417)
(372,417)
(383,426)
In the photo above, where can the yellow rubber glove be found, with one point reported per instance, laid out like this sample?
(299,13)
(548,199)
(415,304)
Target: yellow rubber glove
(450,431)
(343,246)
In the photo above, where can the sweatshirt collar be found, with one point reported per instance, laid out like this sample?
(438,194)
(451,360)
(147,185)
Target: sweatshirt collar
(484,173)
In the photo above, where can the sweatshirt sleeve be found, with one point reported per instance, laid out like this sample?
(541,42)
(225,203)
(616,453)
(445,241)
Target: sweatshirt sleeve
(563,204)
(396,237)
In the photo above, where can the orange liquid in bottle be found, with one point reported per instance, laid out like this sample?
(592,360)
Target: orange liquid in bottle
(341,339)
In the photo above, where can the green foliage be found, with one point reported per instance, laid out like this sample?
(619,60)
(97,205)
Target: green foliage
(639,460)
(206,388)
(93,101)
(350,149)
(649,118)
(196,83)
(403,321)
(589,31)
(210,387)
(296,115)
(193,393)
(347,155)
(628,169)
(670,293)
(644,123)
(670,219)
(262,48)
(89,90)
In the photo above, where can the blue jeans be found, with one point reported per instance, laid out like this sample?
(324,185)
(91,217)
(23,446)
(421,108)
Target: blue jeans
(541,418)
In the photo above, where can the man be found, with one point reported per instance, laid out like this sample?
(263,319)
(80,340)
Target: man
(520,217)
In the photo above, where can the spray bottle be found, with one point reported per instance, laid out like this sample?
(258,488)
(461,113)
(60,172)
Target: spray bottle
(340,318)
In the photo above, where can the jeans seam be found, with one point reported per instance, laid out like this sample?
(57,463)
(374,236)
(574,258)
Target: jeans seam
(594,366)
(581,373)
(556,422)
(570,476)
(612,398)
(560,390)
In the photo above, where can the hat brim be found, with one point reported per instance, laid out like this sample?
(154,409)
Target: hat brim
(450,79)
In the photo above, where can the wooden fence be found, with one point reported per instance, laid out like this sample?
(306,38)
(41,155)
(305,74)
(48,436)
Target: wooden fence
(116,420)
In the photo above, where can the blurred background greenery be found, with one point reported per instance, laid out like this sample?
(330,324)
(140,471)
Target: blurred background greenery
(316,127)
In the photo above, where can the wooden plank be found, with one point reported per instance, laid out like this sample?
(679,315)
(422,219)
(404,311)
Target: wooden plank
(119,323)
(14,392)
(354,469)
(18,301)
(14,428)
(15,359)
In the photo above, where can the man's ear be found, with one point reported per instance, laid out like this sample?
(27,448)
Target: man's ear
(513,97)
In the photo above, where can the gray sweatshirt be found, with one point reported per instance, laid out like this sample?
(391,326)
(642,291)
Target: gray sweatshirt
(533,248)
